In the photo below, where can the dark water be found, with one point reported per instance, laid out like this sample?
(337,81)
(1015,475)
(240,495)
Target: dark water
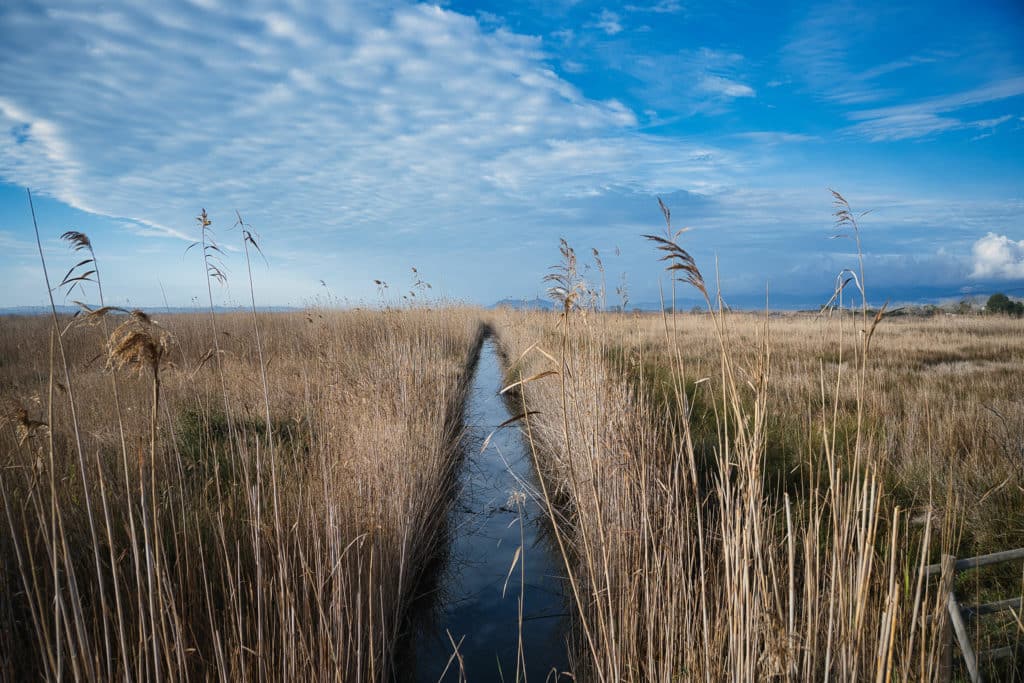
(489,523)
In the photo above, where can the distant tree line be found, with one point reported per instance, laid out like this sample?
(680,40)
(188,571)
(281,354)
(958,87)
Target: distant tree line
(1000,303)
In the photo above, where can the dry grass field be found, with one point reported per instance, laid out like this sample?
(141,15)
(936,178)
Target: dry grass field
(739,496)
(732,496)
(749,497)
(240,527)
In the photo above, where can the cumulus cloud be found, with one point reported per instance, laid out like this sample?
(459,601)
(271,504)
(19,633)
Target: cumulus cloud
(997,257)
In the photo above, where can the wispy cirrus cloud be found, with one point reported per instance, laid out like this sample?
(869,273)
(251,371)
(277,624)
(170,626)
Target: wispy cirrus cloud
(724,87)
(660,7)
(702,80)
(357,136)
(817,54)
(609,22)
(918,119)
(770,137)
(834,52)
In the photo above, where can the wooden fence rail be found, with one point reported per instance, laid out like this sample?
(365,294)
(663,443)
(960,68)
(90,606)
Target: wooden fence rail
(956,625)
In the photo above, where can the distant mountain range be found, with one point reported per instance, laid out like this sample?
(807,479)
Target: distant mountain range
(535,304)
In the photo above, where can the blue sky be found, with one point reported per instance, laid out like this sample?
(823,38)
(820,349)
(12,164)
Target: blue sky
(465,138)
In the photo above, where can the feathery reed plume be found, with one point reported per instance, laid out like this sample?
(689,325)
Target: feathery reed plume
(77,275)
(681,264)
(214,270)
(600,269)
(24,427)
(567,285)
(213,256)
(419,285)
(566,289)
(138,343)
(622,291)
(846,218)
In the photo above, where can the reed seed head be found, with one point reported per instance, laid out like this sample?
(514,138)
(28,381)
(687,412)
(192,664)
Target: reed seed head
(137,343)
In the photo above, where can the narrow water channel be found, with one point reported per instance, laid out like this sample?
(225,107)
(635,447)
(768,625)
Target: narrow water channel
(489,523)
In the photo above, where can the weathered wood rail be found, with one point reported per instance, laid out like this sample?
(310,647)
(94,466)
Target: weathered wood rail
(956,625)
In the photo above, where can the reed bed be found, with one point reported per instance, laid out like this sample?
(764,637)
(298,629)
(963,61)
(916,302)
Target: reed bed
(733,496)
(256,505)
(751,497)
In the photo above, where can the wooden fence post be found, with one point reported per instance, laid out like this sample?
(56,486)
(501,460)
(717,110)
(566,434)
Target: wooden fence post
(945,590)
(954,624)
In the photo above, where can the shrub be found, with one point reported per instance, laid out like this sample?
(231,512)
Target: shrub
(1000,303)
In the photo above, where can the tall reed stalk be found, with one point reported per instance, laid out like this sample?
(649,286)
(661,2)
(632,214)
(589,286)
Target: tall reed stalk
(689,555)
(83,472)
(288,544)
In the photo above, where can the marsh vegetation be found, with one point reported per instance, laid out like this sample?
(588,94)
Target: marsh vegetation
(725,495)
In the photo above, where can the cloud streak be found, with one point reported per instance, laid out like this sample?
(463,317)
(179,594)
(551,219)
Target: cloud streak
(858,58)
(923,118)
(357,136)
(716,85)
(333,124)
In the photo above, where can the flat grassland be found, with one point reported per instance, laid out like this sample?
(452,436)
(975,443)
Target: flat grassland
(733,495)
(749,497)
(197,518)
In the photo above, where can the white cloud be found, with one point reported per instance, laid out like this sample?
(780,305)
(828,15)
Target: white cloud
(992,123)
(608,22)
(997,257)
(918,119)
(824,48)
(281,26)
(564,35)
(725,87)
(660,7)
(37,149)
(351,119)
(358,135)
(573,167)
(702,80)
(773,137)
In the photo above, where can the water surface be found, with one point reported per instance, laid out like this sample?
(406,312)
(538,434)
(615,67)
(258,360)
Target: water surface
(491,519)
